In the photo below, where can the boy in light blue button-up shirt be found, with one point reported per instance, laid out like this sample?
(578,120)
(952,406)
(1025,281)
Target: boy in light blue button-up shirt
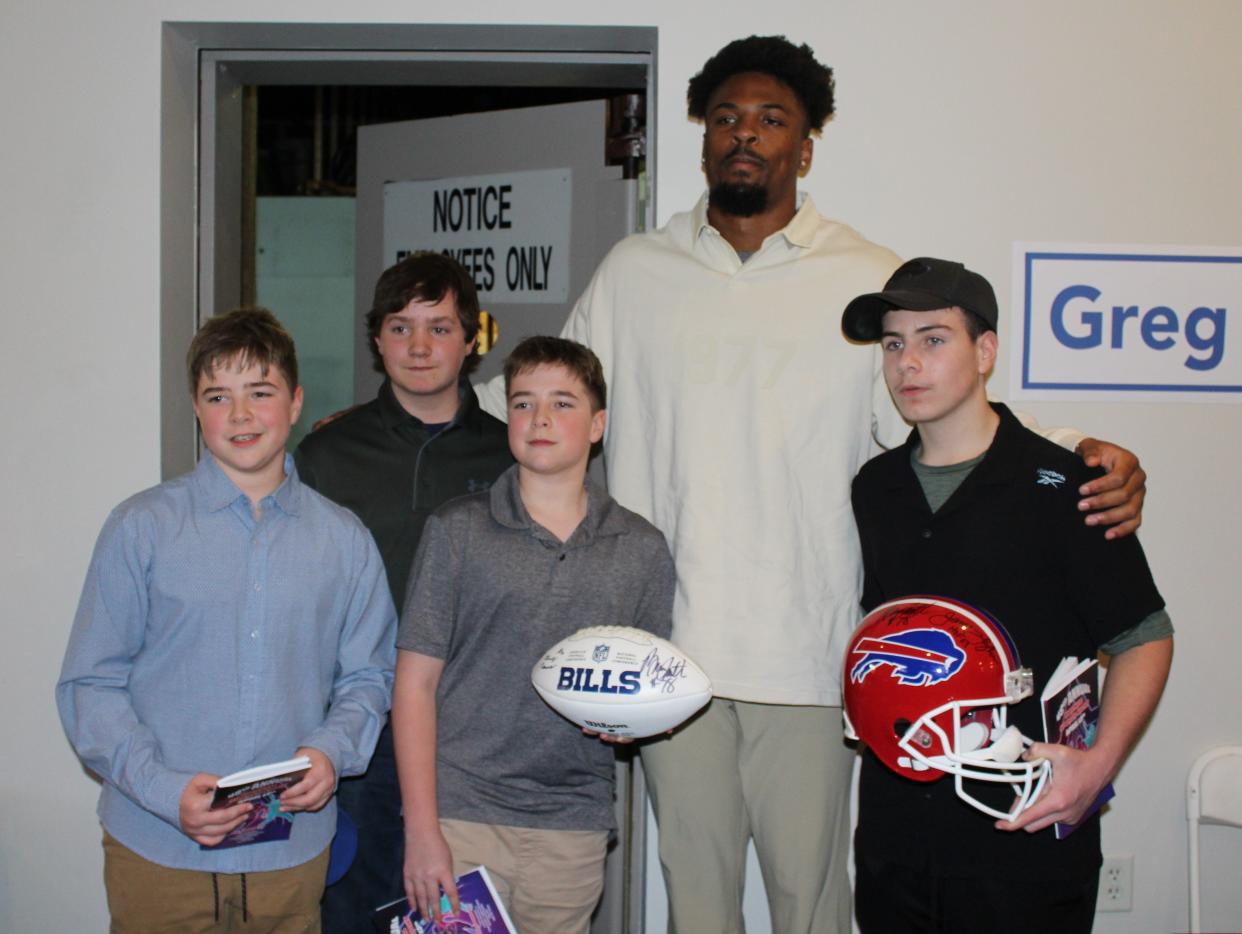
(230,617)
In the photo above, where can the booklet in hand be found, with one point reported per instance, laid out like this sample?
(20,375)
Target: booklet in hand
(482,912)
(1071,711)
(260,786)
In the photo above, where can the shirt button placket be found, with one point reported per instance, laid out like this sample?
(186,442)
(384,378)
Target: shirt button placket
(559,575)
(251,661)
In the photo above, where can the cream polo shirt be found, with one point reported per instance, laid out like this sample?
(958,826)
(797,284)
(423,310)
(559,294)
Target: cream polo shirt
(738,416)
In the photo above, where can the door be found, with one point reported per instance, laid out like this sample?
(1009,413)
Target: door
(523,199)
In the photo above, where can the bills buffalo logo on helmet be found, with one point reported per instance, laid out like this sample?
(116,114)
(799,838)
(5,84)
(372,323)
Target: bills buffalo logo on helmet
(917,657)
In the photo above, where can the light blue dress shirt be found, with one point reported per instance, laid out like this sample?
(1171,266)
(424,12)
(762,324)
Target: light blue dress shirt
(209,641)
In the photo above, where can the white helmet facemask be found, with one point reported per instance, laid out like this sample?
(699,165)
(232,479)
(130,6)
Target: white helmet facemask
(983,748)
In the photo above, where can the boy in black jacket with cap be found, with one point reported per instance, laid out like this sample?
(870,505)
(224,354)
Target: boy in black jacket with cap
(968,509)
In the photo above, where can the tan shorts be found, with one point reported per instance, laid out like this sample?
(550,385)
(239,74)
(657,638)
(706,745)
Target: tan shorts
(147,898)
(549,880)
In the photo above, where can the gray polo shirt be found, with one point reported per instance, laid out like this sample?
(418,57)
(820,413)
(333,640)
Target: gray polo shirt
(490,591)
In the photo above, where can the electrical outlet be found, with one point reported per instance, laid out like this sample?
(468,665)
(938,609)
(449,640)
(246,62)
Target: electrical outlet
(1116,884)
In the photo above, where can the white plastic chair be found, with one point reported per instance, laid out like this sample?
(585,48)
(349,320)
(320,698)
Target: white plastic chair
(1213,796)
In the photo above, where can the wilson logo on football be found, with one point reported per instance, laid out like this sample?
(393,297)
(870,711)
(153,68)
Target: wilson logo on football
(918,657)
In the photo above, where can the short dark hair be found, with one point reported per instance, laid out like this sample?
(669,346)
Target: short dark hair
(577,358)
(426,277)
(243,337)
(976,326)
(792,65)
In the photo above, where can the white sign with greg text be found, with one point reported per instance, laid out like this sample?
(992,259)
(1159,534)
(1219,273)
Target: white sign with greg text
(1110,322)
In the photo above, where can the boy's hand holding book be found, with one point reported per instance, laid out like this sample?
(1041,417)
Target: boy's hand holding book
(475,906)
(254,794)
(1078,777)
(1082,771)
(316,787)
(428,871)
(198,821)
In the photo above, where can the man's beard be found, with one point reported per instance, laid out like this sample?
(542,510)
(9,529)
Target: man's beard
(739,199)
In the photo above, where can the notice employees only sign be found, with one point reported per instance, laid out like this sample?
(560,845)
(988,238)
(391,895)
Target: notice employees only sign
(1126,322)
(510,231)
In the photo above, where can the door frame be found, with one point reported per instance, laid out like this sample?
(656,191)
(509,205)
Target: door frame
(205,66)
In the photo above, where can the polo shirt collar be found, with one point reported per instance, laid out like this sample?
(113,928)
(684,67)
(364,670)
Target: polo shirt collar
(797,233)
(603,516)
(801,228)
(997,466)
(219,492)
(1002,459)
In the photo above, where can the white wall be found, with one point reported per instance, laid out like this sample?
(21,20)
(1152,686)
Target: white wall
(963,127)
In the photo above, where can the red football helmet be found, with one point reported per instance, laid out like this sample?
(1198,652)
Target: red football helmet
(928,681)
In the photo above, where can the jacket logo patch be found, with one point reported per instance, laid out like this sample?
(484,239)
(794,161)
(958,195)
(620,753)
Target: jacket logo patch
(1045,477)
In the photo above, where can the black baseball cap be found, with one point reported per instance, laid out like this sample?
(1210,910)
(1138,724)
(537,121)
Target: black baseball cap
(923,284)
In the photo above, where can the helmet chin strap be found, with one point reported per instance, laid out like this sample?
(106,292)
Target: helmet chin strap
(916,765)
(1008,747)
(1008,743)
(972,736)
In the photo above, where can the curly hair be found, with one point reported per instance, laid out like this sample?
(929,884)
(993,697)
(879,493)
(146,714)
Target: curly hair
(793,65)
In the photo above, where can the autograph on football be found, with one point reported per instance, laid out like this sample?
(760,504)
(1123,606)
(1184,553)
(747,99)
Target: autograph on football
(664,673)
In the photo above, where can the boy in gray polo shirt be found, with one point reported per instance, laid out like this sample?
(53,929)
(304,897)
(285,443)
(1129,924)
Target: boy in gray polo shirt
(489,774)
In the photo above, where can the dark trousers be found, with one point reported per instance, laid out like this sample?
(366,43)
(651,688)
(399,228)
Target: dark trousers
(373,801)
(889,897)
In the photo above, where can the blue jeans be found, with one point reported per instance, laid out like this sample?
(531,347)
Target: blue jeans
(373,800)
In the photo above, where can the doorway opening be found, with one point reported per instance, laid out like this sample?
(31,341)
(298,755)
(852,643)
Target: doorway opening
(206,68)
(300,151)
(208,197)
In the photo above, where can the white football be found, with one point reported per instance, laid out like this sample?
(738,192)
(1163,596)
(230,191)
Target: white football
(620,680)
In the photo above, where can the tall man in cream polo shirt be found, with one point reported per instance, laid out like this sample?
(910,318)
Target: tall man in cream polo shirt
(740,415)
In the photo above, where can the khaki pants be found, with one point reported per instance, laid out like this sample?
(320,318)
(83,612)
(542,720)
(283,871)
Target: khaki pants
(777,774)
(549,880)
(147,898)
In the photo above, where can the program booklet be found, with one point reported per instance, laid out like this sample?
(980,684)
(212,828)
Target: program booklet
(261,786)
(482,912)
(1071,710)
